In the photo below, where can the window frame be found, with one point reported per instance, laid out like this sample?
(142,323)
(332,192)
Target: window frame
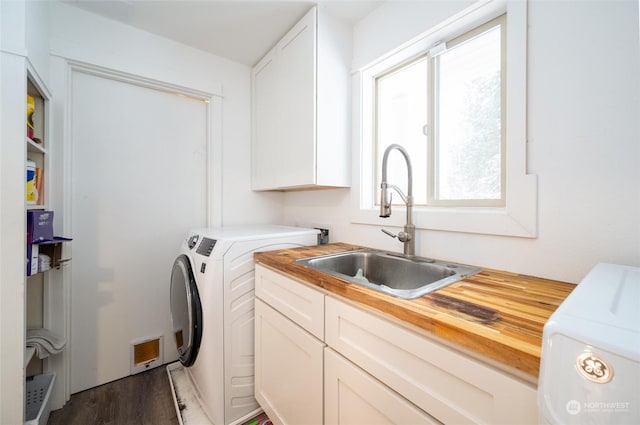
(518,217)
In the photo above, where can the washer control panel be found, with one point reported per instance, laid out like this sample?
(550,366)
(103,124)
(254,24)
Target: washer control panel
(206,246)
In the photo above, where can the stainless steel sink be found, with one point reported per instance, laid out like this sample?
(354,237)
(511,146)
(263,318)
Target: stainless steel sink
(391,273)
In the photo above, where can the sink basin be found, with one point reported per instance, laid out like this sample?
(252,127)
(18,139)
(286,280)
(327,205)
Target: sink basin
(390,273)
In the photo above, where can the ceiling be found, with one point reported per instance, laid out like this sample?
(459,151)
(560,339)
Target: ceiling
(240,30)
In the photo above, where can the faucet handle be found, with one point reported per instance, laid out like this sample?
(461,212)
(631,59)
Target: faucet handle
(386,232)
(402,236)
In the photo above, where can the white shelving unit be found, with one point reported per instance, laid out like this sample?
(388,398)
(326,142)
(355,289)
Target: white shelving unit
(37,150)
(24,69)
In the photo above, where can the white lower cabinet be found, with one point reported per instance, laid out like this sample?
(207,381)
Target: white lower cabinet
(321,360)
(353,397)
(451,386)
(288,369)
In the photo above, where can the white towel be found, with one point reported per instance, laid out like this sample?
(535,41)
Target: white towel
(45,342)
(44,263)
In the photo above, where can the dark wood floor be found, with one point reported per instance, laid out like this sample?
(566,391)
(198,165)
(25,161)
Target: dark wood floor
(142,399)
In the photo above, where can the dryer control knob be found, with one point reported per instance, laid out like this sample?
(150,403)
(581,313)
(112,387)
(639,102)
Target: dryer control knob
(193,240)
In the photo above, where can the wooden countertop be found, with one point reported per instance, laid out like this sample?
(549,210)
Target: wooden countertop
(496,314)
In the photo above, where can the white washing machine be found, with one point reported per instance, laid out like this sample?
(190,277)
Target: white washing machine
(212,308)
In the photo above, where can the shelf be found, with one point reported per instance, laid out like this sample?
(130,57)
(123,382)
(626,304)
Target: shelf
(33,146)
(29,352)
(37,153)
(39,117)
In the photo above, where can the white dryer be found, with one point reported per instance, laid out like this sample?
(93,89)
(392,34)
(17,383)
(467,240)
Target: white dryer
(590,365)
(212,308)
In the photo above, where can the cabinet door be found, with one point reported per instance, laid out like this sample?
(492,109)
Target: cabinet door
(284,105)
(353,397)
(288,369)
(451,386)
(265,167)
(297,66)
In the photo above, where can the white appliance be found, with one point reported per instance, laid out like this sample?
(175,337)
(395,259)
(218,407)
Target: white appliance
(590,367)
(212,308)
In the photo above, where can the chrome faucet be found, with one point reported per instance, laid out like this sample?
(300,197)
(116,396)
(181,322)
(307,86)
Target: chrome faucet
(408,235)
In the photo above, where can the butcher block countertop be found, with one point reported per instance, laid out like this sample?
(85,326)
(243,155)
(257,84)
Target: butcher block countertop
(496,314)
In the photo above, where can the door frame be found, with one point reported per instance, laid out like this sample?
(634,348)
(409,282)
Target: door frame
(57,297)
(213,103)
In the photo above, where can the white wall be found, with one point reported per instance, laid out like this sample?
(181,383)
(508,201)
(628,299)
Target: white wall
(583,132)
(12,216)
(83,36)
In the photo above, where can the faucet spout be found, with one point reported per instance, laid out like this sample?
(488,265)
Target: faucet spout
(409,233)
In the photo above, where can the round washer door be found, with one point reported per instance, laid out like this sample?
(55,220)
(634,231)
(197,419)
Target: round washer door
(186,311)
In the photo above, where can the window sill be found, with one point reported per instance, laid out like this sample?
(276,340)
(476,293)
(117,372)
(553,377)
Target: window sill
(517,219)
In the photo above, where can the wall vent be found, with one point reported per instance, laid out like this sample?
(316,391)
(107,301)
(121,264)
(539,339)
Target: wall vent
(146,354)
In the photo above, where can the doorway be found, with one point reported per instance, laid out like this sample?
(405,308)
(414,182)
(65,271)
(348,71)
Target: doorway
(140,160)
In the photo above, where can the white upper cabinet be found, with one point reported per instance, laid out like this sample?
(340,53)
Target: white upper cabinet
(301,108)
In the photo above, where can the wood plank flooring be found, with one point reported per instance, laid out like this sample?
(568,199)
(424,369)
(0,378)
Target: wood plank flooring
(142,399)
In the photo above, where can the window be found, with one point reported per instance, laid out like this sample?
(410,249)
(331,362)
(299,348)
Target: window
(455,99)
(446,109)
(401,116)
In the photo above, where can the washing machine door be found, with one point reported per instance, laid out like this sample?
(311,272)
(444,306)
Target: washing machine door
(186,311)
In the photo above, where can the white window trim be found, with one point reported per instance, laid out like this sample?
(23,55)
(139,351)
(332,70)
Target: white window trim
(519,216)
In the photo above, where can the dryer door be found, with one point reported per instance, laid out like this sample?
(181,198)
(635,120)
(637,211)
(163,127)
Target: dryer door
(186,311)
